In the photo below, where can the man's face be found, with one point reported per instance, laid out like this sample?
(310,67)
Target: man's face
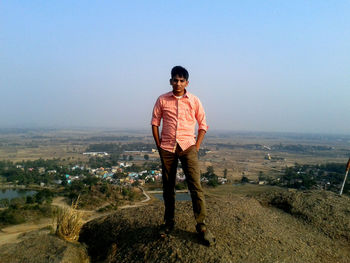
(179,84)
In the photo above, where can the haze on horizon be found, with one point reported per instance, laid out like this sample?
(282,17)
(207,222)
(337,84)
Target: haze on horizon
(255,65)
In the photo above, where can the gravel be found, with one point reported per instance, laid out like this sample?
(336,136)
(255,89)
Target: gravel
(276,226)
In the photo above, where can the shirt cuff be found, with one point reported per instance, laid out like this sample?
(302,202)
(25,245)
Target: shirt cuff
(203,127)
(155,122)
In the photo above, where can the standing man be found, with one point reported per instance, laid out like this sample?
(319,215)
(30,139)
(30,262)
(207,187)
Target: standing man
(180,111)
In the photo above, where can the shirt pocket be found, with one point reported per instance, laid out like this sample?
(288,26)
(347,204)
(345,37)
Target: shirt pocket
(190,115)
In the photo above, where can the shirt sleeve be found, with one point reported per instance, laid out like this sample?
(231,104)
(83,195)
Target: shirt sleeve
(157,113)
(200,116)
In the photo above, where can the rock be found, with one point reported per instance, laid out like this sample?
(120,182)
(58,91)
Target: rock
(324,210)
(245,229)
(42,246)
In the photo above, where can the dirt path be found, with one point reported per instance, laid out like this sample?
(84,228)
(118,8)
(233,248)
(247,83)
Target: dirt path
(10,234)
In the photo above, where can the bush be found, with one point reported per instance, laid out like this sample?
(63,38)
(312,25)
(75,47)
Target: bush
(29,200)
(107,208)
(69,222)
(45,210)
(181,186)
(211,176)
(213,182)
(125,192)
(10,217)
(135,184)
(4,203)
(131,195)
(17,202)
(43,196)
(244,179)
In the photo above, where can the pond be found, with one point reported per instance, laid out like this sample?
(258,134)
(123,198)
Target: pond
(14,193)
(179,197)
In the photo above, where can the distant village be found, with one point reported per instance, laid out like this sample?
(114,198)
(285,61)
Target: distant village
(121,173)
(124,172)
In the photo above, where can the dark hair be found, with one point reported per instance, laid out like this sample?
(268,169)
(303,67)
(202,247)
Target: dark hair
(179,71)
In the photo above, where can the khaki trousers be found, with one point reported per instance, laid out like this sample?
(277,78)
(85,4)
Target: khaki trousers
(190,166)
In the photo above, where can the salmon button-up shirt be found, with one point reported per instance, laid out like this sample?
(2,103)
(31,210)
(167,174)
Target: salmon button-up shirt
(179,120)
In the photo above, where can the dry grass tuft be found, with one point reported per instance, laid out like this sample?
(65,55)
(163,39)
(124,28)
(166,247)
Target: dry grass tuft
(69,222)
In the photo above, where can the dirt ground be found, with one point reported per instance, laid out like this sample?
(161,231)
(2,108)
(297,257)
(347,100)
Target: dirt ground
(251,224)
(246,228)
(10,234)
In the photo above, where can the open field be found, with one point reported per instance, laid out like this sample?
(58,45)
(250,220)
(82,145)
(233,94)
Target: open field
(238,152)
(247,153)
(29,144)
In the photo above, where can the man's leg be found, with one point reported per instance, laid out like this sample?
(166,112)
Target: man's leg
(169,166)
(190,166)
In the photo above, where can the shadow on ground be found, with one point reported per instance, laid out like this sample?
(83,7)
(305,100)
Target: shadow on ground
(247,229)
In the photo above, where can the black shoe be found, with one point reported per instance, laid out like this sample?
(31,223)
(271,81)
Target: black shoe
(166,229)
(206,236)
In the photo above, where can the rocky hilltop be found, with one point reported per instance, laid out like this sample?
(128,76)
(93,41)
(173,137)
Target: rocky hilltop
(42,246)
(275,226)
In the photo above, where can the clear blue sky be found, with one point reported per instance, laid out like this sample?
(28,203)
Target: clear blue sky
(255,65)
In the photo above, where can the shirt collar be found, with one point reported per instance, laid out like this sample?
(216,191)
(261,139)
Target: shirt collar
(186,94)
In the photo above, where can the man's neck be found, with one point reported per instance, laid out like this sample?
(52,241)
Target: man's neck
(179,94)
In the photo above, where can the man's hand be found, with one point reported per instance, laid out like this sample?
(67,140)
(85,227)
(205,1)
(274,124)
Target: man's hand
(155,132)
(200,137)
(198,147)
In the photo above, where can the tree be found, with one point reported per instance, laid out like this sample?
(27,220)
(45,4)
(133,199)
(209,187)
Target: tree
(210,170)
(4,203)
(64,182)
(44,195)
(181,185)
(125,192)
(262,177)
(136,184)
(211,176)
(90,180)
(213,182)
(114,157)
(29,200)
(225,173)
(146,156)
(244,179)
(104,188)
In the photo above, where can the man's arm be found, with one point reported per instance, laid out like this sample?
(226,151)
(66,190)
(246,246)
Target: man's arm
(202,124)
(155,132)
(156,119)
(200,137)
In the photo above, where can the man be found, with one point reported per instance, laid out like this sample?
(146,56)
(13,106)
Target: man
(180,111)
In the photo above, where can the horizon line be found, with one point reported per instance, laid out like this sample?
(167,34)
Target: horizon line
(144,130)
